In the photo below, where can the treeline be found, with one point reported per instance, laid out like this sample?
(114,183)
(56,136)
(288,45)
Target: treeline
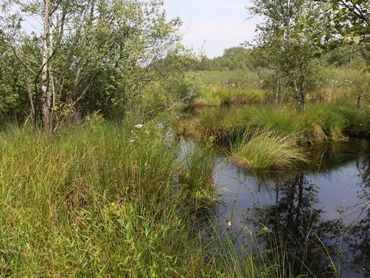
(248,58)
(235,58)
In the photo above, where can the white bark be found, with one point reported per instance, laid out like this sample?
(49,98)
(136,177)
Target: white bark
(46,84)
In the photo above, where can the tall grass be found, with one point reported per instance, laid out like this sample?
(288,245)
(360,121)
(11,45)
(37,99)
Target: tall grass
(286,130)
(224,95)
(245,77)
(247,260)
(99,200)
(105,200)
(267,149)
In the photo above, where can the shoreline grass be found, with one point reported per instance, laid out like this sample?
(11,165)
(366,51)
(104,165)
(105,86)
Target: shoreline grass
(287,130)
(317,123)
(267,150)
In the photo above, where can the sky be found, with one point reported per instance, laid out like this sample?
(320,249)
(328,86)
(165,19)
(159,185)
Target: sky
(213,25)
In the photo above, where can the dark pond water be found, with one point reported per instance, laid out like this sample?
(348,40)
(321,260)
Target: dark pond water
(314,212)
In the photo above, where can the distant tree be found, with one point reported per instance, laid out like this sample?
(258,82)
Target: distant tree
(204,63)
(290,34)
(235,58)
(257,60)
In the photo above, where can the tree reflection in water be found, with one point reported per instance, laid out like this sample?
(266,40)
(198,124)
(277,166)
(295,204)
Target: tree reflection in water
(359,241)
(319,216)
(313,245)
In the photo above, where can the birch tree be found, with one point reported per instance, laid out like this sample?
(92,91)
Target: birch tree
(290,34)
(91,55)
(47,88)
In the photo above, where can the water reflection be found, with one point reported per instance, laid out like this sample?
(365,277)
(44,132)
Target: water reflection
(360,231)
(297,223)
(319,214)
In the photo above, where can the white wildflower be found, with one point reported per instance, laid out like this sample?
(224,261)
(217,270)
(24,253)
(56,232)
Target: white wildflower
(229,225)
(139,126)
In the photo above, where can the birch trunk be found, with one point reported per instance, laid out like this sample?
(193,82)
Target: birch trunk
(46,84)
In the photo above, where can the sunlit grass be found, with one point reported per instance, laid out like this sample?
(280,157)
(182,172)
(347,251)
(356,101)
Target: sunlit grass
(101,199)
(108,199)
(287,130)
(224,95)
(267,149)
(318,122)
(247,77)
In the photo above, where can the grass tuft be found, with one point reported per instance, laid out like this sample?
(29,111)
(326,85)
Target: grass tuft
(267,149)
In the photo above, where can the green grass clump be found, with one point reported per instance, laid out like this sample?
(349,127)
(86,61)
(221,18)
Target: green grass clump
(99,200)
(267,149)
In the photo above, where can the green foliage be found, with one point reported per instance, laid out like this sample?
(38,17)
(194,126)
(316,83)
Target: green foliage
(236,58)
(348,55)
(104,199)
(289,36)
(346,20)
(185,86)
(12,84)
(104,53)
(171,93)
